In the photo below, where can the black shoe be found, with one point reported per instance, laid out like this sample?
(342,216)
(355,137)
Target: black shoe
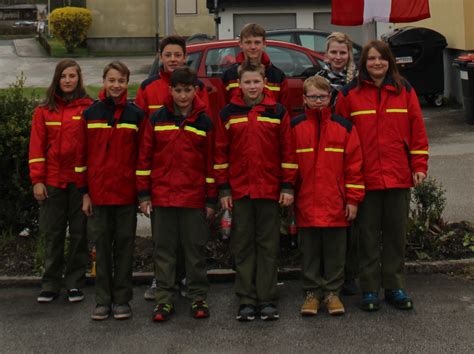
(246,313)
(46,296)
(269,312)
(350,287)
(75,295)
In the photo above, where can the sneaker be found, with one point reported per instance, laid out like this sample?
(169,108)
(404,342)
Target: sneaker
(334,305)
(46,296)
(350,287)
(269,312)
(162,312)
(122,312)
(370,301)
(200,309)
(399,299)
(150,293)
(310,305)
(246,313)
(75,295)
(101,312)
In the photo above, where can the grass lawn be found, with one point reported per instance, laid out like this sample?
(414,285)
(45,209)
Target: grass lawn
(59,51)
(93,91)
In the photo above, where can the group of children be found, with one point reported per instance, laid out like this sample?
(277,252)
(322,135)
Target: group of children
(168,154)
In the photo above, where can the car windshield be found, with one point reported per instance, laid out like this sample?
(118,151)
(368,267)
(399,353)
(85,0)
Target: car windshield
(292,62)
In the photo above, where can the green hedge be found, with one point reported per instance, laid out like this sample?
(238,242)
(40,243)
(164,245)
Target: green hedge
(18,209)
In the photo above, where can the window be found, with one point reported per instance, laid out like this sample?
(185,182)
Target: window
(193,60)
(292,62)
(220,59)
(186,7)
(314,41)
(284,37)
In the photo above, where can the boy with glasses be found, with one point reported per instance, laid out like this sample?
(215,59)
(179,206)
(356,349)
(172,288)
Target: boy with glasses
(328,190)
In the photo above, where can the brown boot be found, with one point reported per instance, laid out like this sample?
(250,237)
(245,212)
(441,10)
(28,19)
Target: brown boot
(310,305)
(334,304)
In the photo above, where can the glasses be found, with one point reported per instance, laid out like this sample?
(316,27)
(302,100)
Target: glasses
(315,98)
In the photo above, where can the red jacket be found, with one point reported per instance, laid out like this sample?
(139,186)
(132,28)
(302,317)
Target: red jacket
(254,153)
(152,93)
(53,142)
(276,80)
(391,131)
(175,161)
(108,150)
(329,168)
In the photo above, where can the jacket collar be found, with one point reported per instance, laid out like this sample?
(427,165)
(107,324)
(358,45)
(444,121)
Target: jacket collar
(265,59)
(268,99)
(387,83)
(198,107)
(321,115)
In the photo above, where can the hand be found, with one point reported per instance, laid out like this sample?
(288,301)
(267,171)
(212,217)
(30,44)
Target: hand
(210,213)
(87,204)
(40,192)
(286,199)
(418,178)
(226,203)
(351,212)
(146,207)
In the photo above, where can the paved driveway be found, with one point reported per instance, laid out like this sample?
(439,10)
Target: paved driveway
(442,322)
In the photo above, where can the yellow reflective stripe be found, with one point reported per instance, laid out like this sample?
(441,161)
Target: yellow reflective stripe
(127,126)
(289,165)
(232,85)
(53,123)
(98,126)
(269,120)
(39,159)
(194,130)
(76,117)
(235,121)
(355,186)
(159,128)
(419,152)
(143,172)
(273,88)
(358,113)
(155,106)
(210,180)
(396,110)
(221,166)
(80,169)
(299,151)
(334,149)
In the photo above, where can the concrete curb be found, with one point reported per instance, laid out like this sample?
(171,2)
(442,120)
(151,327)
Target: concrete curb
(226,275)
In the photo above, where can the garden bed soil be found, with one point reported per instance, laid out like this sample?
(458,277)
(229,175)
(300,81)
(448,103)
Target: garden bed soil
(19,255)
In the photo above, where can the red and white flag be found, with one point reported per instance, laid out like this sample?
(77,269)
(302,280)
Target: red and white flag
(357,12)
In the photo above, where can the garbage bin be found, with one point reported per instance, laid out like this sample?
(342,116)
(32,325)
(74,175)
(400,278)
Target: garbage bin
(465,64)
(419,54)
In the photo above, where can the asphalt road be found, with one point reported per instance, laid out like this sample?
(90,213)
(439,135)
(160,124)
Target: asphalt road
(442,322)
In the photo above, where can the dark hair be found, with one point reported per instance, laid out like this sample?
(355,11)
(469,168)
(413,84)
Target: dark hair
(247,65)
(119,66)
(183,76)
(54,88)
(252,30)
(177,40)
(386,54)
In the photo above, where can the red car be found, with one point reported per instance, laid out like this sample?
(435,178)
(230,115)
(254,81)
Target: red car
(211,59)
